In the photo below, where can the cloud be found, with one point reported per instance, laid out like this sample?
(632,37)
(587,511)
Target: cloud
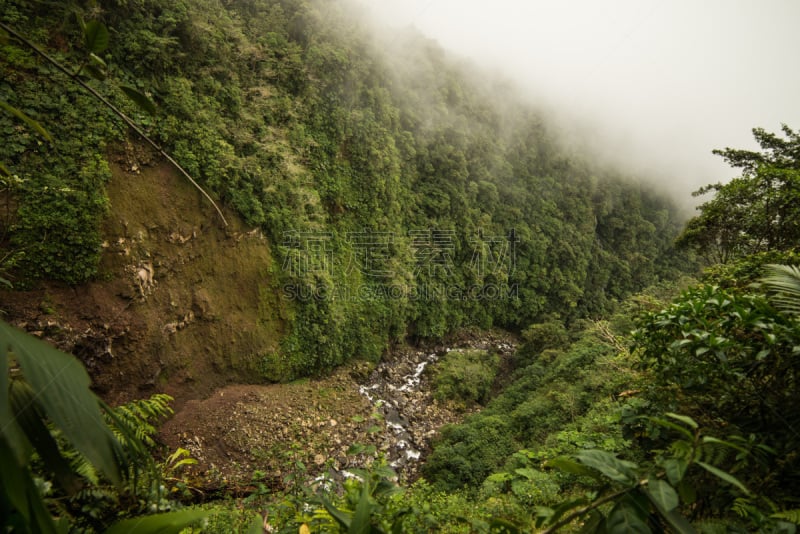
(652,85)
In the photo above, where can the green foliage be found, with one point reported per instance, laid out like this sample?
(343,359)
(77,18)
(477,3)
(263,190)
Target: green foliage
(55,231)
(540,337)
(548,409)
(465,376)
(747,270)
(140,417)
(726,352)
(285,111)
(754,213)
(58,225)
(166,523)
(53,430)
(729,358)
(466,454)
(783,283)
(657,495)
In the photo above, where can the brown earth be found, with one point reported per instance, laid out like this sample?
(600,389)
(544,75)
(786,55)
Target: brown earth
(242,429)
(181,305)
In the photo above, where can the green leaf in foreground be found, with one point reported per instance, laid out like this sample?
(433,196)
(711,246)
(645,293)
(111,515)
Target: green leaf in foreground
(32,124)
(95,36)
(567,465)
(609,465)
(662,494)
(625,518)
(60,383)
(675,469)
(793,516)
(727,477)
(167,523)
(683,419)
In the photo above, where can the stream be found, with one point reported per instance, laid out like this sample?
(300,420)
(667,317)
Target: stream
(401,391)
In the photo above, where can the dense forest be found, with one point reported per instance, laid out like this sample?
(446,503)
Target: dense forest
(397,184)
(403,196)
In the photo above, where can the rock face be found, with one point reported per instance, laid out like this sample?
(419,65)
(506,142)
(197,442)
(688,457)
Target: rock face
(182,304)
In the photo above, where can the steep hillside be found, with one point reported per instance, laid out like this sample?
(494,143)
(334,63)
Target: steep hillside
(387,194)
(179,304)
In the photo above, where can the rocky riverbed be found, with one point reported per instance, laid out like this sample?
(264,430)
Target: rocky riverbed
(278,432)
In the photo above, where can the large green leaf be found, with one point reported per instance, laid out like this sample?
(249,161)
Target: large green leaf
(61,385)
(361,518)
(671,425)
(662,494)
(340,517)
(167,523)
(15,438)
(12,476)
(683,419)
(789,515)
(567,465)
(28,415)
(626,517)
(727,477)
(23,494)
(675,469)
(95,36)
(32,124)
(784,282)
(609,465)
(665,499)
(594,524)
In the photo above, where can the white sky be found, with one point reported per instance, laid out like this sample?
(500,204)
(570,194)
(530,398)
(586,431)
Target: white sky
(661,83)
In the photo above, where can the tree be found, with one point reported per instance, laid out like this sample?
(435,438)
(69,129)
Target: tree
(757,212)
(729,358)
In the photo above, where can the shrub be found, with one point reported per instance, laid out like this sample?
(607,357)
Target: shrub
(465,377)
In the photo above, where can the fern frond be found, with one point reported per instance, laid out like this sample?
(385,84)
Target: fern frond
(792,516)
(84,468)
(139,418)
(783,282)
(715,453)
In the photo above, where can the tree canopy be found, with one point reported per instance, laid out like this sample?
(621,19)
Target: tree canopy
(756,212)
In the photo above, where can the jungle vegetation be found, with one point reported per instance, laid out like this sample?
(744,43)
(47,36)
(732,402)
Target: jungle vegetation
(424,199)
(646,397)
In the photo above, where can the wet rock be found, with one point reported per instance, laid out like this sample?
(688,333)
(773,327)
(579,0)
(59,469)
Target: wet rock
(401,392)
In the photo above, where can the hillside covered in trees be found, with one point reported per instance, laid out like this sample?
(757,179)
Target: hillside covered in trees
(422,199)
(372,192)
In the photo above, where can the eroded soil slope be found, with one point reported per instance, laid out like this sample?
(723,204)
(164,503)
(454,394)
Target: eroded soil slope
(182,303)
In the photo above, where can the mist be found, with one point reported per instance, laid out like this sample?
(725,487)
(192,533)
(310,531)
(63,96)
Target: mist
(650,86)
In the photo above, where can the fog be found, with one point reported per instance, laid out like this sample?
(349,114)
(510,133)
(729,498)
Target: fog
(651,85)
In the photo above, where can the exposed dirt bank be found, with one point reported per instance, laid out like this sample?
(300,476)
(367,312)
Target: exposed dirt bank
(182,304)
